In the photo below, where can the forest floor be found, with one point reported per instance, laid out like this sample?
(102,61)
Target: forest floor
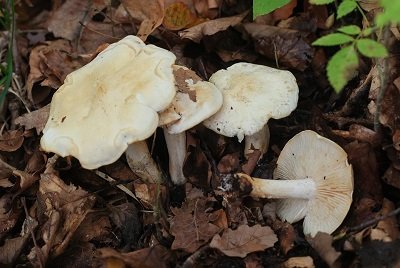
(54,213)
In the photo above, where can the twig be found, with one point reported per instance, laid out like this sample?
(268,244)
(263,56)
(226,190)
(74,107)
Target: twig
(121,187)
(382,66)
(372,222)
(37,248)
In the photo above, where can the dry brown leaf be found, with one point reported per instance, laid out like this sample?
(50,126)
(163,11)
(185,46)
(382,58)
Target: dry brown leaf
(36,119)
(196,168)
(192,225)
(150,13)
(299,262)
(244,240)
(49,65)
(6,170)
(8,215)
(156,256)
(392,176)
(287,236)
(210,27)
(11,141)
(178,16)
(229,163)
(64,206)
(67,20)
(288,47)
(322,243)
(284,12)
(97,33)
(11,250)
(380,254)
(388,226)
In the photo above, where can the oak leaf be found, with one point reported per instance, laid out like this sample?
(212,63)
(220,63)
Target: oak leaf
(244,240)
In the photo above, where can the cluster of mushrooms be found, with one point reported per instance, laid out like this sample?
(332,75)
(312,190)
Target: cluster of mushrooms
(115,102)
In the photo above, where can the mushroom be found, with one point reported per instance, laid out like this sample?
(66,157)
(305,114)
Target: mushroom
(110,103)
(194,101)
(314,181)
(252,95)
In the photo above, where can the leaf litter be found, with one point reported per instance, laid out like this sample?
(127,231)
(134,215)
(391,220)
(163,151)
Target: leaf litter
(54,213)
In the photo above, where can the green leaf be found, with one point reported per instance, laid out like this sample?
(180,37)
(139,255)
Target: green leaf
(367,31)
(350,29)
(262,7)
(390,14)
(345,8)
(333,39)
(341,67)
(321,2)
(371,48)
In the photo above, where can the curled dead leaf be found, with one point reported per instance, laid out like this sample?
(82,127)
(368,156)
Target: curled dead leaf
(149,13)
(178,16)
(211,27)
(36,119)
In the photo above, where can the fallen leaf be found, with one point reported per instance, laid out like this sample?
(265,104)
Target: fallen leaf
(96,33)
(322,244)
(299,262)
(388,226)
(64,206)
(284,12)
(196,168)
(178,16)
(288,47)
(127,222)
(12,249)
(210,27)
(392,176)
(229,163)
(11,141)
(36,119)
(287,237)
(192,225)
(157,256)
(67,20)
(244,240)
(49,65)
(150,13)
(9,215)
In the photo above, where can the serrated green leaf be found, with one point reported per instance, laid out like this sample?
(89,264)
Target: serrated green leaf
(333,39)
(345,8)
(321,2)
(350,29)
(390,14)
(341,67)
(262,7)
(371,48)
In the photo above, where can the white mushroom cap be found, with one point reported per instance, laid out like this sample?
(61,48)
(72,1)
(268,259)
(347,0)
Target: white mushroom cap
(191,106)
(110,102)
(252,95)
(309,155)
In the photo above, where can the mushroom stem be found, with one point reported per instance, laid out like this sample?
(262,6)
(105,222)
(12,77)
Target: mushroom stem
(257,141)
(280,189)
(141,163)
(176,145)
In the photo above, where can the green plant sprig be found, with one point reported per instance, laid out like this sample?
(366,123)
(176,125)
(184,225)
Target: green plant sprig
(7,23)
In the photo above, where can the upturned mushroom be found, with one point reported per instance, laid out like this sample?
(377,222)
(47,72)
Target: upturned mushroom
(110,103)
(194,101)
(252,95)
(314,181)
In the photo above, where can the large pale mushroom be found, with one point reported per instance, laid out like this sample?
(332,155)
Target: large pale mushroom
(194,101)
(110,103)
(252,95)
(314,181)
